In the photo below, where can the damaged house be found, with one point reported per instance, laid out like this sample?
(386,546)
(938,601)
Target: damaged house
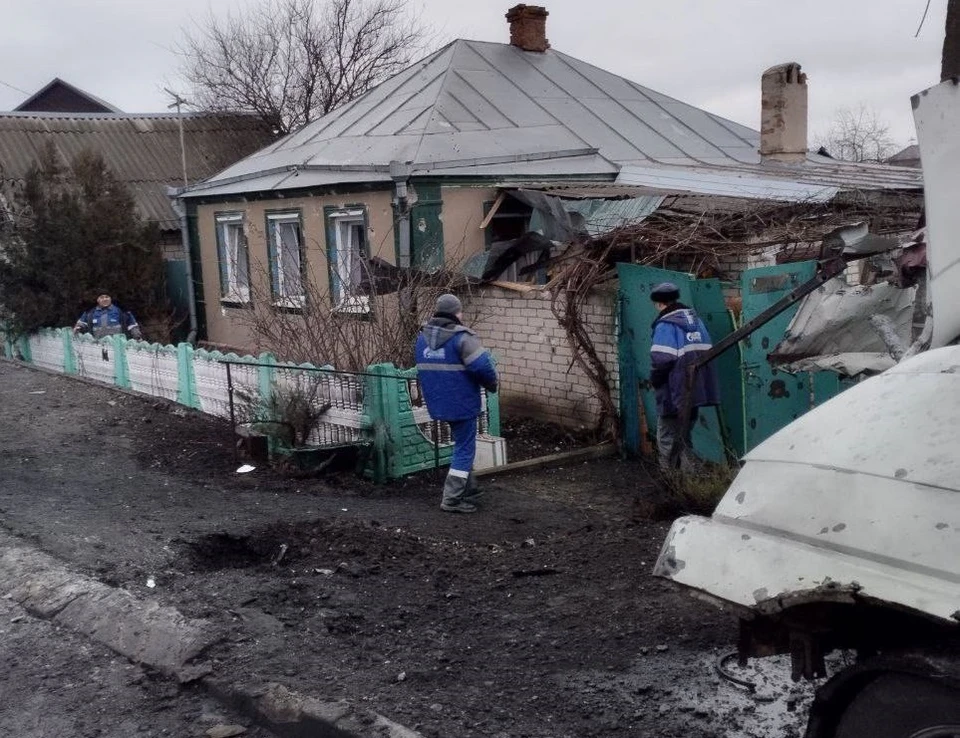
(534,174)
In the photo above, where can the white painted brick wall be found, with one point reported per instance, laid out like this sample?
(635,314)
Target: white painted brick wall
(534,357)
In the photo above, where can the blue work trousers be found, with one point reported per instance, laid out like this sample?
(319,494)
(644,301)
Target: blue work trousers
(464,434)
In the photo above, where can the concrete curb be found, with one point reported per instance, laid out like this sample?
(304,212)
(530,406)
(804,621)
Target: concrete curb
(161,638)
(143,631)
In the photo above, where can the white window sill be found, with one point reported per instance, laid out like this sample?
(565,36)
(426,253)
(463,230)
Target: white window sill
(290,303)
(359,305)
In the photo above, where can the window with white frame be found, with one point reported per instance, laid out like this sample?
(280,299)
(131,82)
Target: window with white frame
(233,257)
(286,252)
(347,232)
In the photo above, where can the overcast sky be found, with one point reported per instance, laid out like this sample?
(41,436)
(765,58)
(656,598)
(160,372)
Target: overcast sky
(706,52)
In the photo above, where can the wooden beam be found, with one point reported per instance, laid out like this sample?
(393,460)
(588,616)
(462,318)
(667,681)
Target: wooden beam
(581,454)
(493,210)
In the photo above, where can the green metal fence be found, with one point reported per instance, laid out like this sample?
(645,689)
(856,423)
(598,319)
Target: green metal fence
(391,416)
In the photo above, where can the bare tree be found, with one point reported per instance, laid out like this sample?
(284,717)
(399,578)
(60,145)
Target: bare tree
(292,61)
(857,134)
(379,326)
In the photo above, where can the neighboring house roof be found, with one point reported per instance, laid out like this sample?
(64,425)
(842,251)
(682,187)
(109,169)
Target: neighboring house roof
(907,157)
(143,151)
(490,110)
(58,96)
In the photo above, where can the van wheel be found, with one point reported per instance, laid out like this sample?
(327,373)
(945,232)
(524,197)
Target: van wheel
(902,706)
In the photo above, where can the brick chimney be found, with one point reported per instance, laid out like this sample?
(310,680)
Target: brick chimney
(528,27)
(783,114)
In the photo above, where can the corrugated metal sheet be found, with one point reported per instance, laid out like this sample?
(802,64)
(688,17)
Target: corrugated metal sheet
(601,216)
(723,183)
(817,180)
(143,151)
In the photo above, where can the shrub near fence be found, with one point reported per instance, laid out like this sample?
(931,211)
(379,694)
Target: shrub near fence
(381,407)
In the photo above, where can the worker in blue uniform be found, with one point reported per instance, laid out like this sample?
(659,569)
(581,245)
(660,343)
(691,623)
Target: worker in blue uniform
(107,319)
(452,367)
(679,339)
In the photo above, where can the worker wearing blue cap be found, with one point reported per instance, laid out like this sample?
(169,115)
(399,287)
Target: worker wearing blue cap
(679,339)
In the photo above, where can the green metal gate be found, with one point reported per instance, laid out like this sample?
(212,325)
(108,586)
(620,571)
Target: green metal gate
(718,430)
(757,399)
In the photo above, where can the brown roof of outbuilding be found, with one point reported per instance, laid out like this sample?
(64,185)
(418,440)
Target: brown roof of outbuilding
(142,150)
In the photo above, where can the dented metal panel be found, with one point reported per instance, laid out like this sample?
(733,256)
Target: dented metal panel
(858,499)
(937,115)
(836,319)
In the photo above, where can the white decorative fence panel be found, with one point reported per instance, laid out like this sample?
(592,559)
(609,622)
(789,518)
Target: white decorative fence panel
(153,369)
(210,380)
(96,360)
(46,350)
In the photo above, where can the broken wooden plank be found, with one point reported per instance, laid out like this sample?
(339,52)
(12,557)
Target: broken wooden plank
(493,210)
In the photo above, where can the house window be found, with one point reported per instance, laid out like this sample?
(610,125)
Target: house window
(234,258)
(511,220)
(347,248)
(286,254)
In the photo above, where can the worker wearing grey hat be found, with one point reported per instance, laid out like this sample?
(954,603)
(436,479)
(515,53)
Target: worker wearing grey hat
(679,339)
(452,367)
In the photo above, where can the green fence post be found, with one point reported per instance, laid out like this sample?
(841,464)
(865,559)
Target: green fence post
(375,411)
(391,406)
(186,379)
(69,356)
(23,344)
(493,413)
(265,377)
(121,372)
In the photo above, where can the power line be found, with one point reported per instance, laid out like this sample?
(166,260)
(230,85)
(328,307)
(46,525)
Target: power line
(925,11)
(14,87)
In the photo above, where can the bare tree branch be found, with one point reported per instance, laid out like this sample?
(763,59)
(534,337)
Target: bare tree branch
(858,135)
(293,61)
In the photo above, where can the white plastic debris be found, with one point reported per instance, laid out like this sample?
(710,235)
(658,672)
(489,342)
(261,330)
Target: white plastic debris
(151,582)
(245,469)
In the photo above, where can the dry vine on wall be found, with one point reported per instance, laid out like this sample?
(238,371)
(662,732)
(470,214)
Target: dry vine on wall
(684,235)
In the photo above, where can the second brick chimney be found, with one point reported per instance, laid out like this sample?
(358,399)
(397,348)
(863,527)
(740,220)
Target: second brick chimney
(528,27)
(783,114)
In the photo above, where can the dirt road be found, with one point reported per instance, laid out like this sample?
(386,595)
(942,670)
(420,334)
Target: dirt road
(535,618)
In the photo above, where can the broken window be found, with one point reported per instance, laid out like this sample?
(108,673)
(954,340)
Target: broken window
(346,250)
(234,259)
(510,220)
(286,254)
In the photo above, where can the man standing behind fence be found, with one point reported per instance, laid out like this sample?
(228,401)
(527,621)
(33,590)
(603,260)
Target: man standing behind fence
(679,339)
(107,319)
(452,367)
